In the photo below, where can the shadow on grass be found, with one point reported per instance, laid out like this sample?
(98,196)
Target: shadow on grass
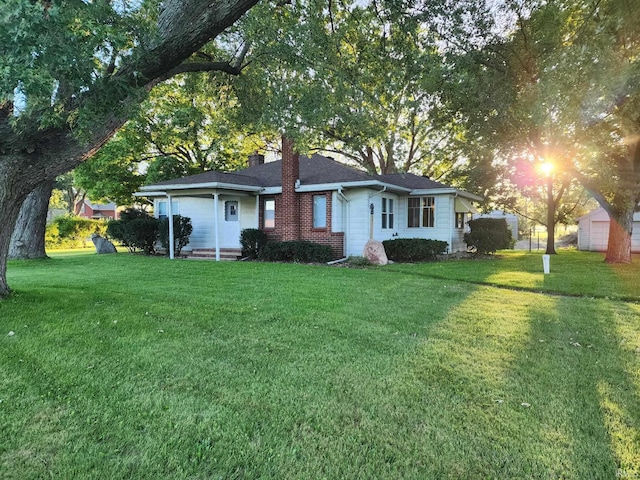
(533,387)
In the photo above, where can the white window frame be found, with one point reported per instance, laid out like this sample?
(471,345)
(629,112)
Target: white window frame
(426,207)
(387,213)
(269,221)
(175,207)
(319,208)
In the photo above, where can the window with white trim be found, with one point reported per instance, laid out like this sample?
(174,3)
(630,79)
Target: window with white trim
(319,211)
(162,208)
(387,212)
(269,220)
(421,212)
(460,219)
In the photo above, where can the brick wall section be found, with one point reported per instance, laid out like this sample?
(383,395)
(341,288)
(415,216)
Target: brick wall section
(294,211)
(288,212)
(323,236)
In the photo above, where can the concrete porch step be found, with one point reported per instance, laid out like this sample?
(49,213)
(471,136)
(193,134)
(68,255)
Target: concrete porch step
(210,253)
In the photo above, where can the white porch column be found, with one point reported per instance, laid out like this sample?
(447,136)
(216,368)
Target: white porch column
(216,224)
(170,216)
(257,211)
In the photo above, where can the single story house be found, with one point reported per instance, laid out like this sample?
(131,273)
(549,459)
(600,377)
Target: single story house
(593,231)
(312,198)
(98,211)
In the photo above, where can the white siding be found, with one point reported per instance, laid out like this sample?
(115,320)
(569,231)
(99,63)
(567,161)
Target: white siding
(443,223)
(248,213)
(337,213)
(200,211)
(593,231)
(358,215)
(584,234)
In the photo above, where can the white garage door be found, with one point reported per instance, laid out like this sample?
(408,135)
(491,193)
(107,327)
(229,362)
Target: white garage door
(599,236)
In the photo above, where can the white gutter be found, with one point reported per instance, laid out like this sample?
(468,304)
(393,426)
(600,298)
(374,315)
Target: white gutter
(440,191)
(346,224)
(170,215)
(362,184)
(191,186)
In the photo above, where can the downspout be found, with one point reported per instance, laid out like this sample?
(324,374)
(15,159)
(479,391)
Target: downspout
(346,220)
(216,225)
(170,215)
(384,189)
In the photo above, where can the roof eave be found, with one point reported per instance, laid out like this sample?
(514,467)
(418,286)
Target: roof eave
(151,189)
(318,187)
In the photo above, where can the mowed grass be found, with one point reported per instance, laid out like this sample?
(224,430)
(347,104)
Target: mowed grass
(131,367)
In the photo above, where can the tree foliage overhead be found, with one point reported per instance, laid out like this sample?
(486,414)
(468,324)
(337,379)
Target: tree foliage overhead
(361,77)
(560,83)
(74,71)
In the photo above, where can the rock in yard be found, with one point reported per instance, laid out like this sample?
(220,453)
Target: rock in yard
(374,252)
(102,244)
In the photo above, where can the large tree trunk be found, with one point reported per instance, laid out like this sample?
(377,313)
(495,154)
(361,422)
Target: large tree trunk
(12,195)
(619,246)
(551,219)
(27,240)
(35,155)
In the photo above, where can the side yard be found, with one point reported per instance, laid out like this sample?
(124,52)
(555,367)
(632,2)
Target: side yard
(131,367)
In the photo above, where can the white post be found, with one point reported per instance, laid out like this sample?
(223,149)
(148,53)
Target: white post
(545,263)
(216,224)
(170,216)
(257,211)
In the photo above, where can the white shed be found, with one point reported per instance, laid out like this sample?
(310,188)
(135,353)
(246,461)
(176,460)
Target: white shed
(593,231)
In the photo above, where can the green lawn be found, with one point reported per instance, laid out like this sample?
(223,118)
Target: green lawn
(126,367)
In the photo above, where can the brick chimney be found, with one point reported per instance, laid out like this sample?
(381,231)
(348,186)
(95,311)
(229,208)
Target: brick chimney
(289,210)
(255,159)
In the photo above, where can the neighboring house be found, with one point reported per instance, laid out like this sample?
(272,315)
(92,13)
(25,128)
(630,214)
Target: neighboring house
(510,218)
(98,211)
(593,231)
(313,198)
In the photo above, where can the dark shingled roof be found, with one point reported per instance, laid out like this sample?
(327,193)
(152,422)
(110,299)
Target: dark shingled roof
(409,180)
(314,170)
(212,177)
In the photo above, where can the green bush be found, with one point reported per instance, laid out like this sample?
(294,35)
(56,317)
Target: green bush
(414,249)
(70,231)
(182,229)
(252,240)
(488,235)
(136,230)
(296,251)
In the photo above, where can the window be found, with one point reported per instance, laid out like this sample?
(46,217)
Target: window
(269,213)
(387,212)
(319,211)
(231,211)
(421,212)
(460,219)
(162,208)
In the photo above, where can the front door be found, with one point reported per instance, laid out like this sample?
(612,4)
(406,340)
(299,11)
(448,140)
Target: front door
(231,224)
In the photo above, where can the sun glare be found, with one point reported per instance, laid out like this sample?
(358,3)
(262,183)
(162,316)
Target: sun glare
(546,167)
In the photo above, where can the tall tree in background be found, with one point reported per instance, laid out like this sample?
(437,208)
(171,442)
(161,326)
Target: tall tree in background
(560,83)
(186,126)
(73,73)
(359,79)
